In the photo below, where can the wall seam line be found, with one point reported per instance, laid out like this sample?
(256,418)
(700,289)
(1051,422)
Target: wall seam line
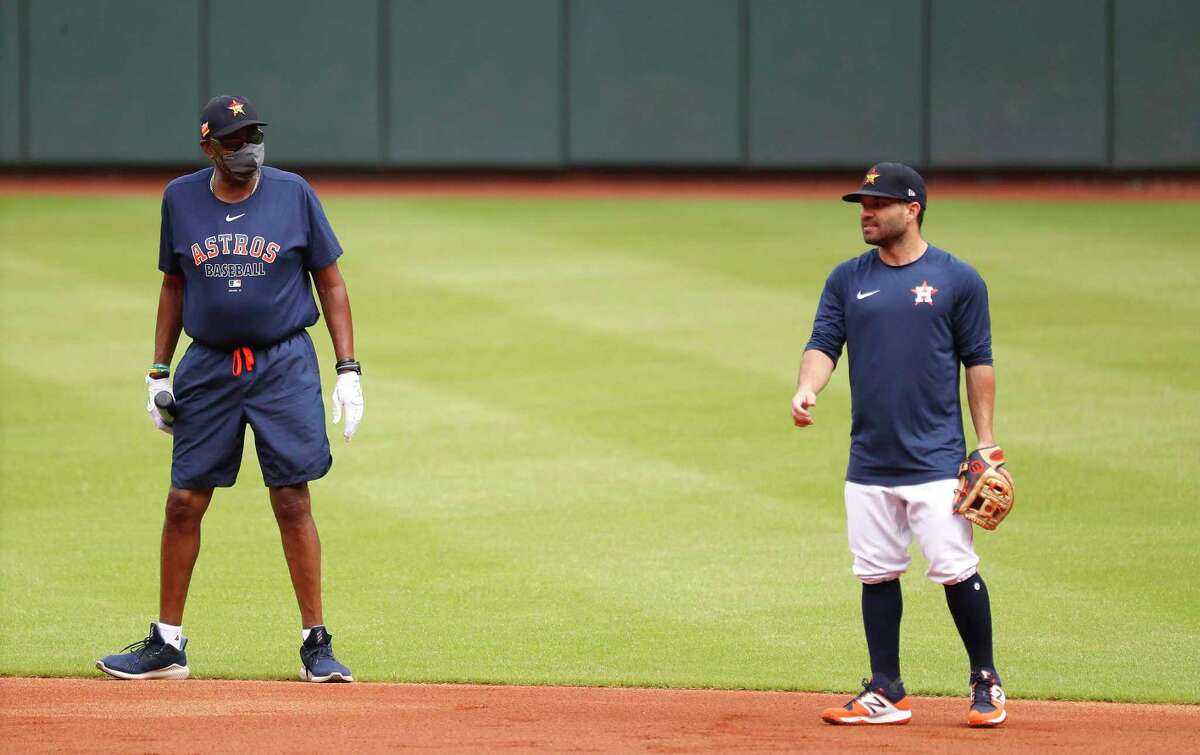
(564,84)
(1110,100)
(927,85)
(744,84)
(203,74)
(385,100)
(24,104)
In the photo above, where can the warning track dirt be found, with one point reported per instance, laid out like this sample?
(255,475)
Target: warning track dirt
(103,715)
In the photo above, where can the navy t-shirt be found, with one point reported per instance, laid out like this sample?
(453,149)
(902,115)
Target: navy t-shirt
(245,265)
(906,329)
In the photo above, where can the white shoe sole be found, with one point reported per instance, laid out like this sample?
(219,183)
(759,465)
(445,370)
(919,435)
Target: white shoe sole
(174,671)
(306,676)
(895,717)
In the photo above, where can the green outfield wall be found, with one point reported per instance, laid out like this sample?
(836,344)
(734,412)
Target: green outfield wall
(537,84)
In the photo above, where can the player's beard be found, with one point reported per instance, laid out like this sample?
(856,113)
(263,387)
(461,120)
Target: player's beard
(884,233)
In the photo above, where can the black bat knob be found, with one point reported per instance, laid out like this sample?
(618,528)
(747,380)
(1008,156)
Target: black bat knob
(166,406)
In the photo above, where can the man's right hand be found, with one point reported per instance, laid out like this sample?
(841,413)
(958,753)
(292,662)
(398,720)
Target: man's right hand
(801,403)
(153,386)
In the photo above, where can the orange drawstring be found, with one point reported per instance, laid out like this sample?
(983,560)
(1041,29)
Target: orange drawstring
(238,360)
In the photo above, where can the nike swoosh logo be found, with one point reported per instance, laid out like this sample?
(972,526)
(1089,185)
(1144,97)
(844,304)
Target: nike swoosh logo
(861,295)
(231,218)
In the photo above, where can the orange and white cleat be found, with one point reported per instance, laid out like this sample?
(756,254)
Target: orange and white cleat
(874,705)
(987,700)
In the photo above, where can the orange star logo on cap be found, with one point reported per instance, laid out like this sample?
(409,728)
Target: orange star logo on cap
(236,107)
(204,129)
(871,176)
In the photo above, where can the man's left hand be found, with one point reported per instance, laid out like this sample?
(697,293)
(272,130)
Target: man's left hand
(348,397)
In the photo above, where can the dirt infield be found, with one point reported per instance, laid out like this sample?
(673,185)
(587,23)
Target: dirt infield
(102,715)
(724,186)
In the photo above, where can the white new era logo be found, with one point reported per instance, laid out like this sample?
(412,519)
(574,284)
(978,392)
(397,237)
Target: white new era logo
(912,193)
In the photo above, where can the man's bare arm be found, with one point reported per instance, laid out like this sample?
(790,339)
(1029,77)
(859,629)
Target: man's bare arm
(815,370)
(169,323)
(981,397)
(335,303)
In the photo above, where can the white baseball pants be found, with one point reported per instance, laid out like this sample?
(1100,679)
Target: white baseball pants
(882,521)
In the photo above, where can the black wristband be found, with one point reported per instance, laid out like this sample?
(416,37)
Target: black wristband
(348,365)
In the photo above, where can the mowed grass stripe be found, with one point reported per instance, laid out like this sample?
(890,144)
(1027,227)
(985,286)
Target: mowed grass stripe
(536,496)
(647,560)
(650,548)
(660,404)
(492,528)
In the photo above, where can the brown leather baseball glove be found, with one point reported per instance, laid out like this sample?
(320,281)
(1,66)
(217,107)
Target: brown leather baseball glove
(985,490)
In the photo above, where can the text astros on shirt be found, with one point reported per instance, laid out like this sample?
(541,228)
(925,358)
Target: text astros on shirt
(906,330)
(245,265)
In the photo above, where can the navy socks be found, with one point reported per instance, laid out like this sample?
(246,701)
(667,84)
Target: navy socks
(972,612)
(882,607)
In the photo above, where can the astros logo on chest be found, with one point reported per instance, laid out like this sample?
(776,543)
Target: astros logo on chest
(924,293)
(237,244)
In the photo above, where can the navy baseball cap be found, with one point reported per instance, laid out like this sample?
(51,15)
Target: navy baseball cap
(225,114)
(893,180)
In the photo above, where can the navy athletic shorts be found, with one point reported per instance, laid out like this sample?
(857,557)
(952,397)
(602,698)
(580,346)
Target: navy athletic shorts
(275,389)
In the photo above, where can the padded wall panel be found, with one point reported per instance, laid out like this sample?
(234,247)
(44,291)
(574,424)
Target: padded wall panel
(10,84)
(1020,83)
(475,83)
(654,82)
(113,83)
(310,67)
(820,94)
(1157,84)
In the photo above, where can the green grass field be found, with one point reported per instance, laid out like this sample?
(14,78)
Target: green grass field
(577,463)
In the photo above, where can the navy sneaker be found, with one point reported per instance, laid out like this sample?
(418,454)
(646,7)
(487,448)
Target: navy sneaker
(987,699)
(317,656)
(152,658)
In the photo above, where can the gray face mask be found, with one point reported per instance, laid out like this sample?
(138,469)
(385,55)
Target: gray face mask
(244,163)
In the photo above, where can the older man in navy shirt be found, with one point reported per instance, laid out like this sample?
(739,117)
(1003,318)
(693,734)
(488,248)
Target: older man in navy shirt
(242,246)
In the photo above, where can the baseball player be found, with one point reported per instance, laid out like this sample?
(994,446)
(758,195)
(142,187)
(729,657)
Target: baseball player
(239,244)
(909,314)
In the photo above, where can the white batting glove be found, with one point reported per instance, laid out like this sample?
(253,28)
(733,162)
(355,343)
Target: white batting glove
(153,387)
(347,395)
